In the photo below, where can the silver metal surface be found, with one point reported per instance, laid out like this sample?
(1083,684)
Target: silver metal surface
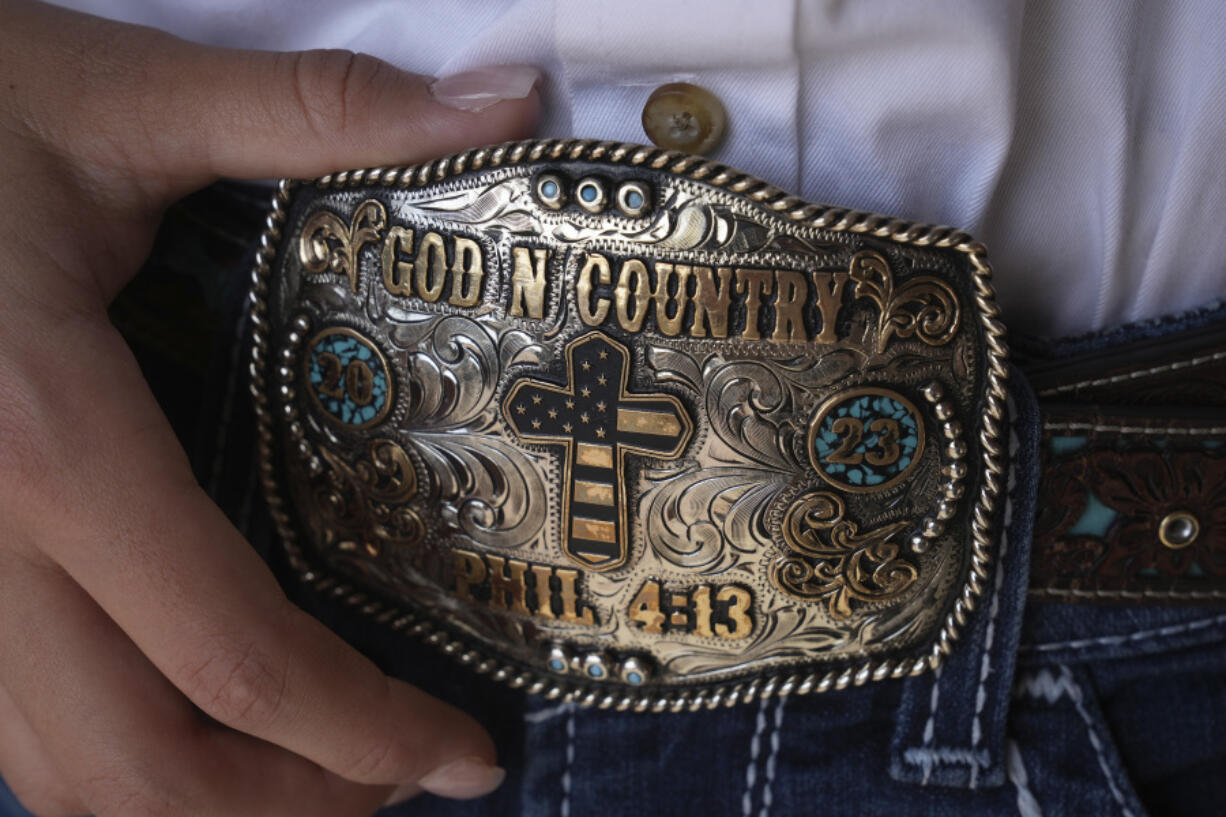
(617,424)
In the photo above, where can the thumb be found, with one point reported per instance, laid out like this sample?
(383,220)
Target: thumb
(174,115)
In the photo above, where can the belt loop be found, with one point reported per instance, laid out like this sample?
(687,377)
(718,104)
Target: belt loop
(951,723)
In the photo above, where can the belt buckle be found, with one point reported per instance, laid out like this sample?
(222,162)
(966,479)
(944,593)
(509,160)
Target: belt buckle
(629,427)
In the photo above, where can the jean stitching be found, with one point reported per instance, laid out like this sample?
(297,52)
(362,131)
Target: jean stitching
(1015,768)
(989,638)
(1128,594)
(929,730)
(1114,640)
(1042,686)
(751,770)
(929,756)
(1143,431)
(1079,703)
(1120,378)
(570,759)
(771,759)
(542,715)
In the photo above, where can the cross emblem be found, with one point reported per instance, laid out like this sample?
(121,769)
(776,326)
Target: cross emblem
(597,423)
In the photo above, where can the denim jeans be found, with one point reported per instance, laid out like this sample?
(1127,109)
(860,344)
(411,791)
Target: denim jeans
(1043,709)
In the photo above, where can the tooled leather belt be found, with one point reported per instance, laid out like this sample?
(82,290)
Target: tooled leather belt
(621,424)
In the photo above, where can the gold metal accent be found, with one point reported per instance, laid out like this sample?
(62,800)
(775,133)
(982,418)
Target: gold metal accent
(328,244)
(925,307)
(593,455)
(370,500)
(597,456)
(834,562)
(594,493)
(648,422)
(346,383)
(852,433)
(837,230)
(598,530)
(1178,529)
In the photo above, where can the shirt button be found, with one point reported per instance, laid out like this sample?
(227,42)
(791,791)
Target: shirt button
(681,116)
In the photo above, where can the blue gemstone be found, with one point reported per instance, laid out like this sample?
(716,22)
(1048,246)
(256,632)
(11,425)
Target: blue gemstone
(595,670)
(588,192)
(549,189)
(634,678)
(557,664)
(634,199)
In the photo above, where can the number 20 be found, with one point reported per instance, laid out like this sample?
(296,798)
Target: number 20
(359,380)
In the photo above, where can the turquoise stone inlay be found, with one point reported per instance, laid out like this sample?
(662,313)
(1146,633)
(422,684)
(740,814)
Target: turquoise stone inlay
(1064,445)
(1095,519)
(348,377)
(866,440)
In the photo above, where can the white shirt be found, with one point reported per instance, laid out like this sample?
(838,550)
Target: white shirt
(1083,142)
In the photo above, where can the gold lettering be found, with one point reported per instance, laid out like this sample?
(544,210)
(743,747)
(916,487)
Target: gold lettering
(430,267)
(504,586)
(754,284)
(544,596)
(711,302)
(621,295)
(664,274)
(467,272)
(590,316)
(789,323)
(570,598)
(468,569)
(702,611)
(528,283)
(645,609)
(396,272)
(829,299)
(738,612)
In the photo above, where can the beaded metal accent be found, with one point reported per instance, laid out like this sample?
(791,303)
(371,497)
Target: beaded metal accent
(620,425)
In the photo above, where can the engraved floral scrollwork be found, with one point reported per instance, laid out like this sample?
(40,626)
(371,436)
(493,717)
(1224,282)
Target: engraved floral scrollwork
(925,307)
(369,498)
(707,519)
(326,243)
(486,487)
(834,561)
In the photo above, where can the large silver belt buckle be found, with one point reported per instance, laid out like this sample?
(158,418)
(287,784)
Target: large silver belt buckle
(622,425)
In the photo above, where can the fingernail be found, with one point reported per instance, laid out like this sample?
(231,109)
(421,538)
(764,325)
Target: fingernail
(464,778)
(402,794)
(479,89)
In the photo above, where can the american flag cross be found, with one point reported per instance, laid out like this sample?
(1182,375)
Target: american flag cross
(597,423)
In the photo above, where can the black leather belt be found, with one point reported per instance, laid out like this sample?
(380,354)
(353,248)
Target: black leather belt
(617,423)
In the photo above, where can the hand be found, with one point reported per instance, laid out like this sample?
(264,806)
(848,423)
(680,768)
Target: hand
(125,595)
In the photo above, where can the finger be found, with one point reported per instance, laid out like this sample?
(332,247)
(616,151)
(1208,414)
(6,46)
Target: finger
(181,114)
(128,742)
(29,770)
(112,500)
